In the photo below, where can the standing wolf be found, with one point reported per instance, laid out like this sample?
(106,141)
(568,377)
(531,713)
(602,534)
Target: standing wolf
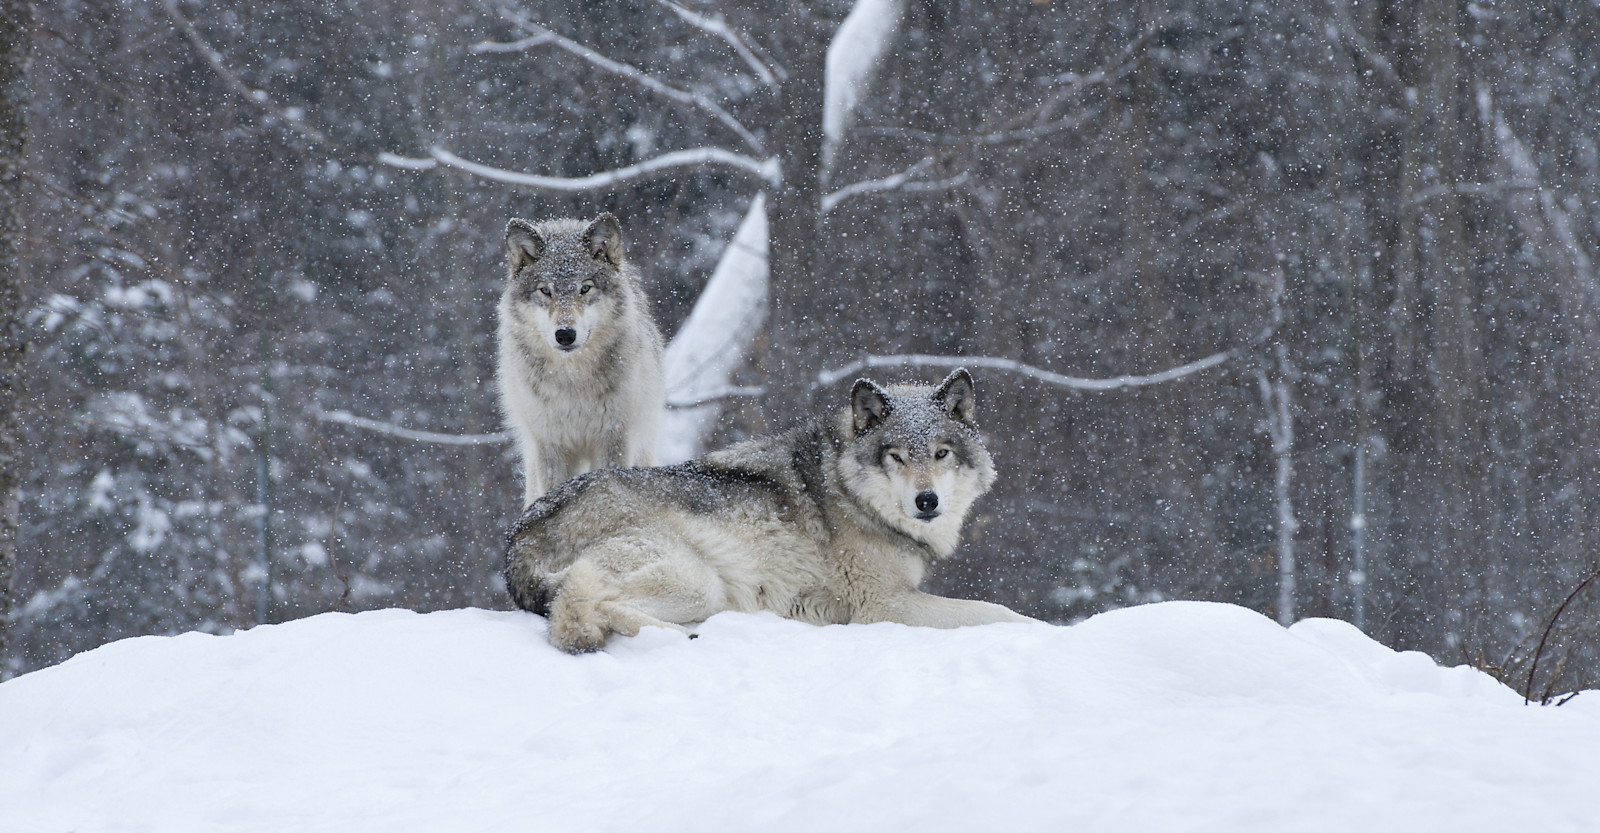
(580,357)
(835,521)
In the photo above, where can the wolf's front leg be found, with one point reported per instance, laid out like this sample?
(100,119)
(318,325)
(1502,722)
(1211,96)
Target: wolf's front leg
(533,482)
(556,466)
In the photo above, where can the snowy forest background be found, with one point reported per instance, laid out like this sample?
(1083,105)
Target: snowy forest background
(260,272)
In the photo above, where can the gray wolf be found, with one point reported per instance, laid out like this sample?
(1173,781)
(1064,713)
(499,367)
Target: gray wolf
(835,521)
(580,357)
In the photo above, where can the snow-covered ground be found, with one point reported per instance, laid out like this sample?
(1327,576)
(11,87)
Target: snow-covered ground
(1176,716)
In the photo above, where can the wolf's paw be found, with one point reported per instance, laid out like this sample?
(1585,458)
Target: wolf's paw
(577,637)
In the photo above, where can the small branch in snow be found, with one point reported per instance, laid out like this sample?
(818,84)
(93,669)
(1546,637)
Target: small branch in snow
(259,98)
(828,377)
(333,563)
(347,418)
(540,35)
(765,170)
(1527,690)
(769,76)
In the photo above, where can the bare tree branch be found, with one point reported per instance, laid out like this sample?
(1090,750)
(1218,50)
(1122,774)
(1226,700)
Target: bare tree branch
(887,183)
(541,35)
(769,76)
(764,170)
(1475,189)
(828,377)
(1069,84)
(347,418)
(717,395)
(259,98)
(998,137)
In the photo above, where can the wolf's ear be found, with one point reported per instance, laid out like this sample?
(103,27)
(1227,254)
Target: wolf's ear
(869,405)
(523,243)
(603,239)
(955,397)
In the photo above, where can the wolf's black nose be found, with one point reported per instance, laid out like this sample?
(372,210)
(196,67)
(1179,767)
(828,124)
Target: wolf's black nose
(566,336)
(927,501)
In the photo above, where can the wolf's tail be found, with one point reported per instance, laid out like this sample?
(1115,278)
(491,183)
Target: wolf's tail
(528,564)
(531,591)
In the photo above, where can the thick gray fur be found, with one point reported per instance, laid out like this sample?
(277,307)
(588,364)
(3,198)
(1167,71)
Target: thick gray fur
(596,402)
(820,524)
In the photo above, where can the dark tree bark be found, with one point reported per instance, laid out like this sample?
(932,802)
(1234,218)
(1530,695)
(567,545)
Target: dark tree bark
(804,306)
(16,24)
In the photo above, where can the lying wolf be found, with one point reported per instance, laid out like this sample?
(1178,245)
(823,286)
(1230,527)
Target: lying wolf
(835,521)
(580,357)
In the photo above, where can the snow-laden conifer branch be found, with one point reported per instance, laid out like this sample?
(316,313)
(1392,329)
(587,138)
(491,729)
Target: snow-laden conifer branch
(720,28)
(764,170)
(828,377)
(257,97)
(540,35)
(347,418)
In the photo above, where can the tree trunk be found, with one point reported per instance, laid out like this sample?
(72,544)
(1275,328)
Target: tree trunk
(806,307)
(16,24)
(1455,346)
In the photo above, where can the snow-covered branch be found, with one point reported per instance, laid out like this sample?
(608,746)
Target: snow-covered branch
(347,418)
(720,28)
(257,97)
(855,55)
(871,186)
(764,170)
(828,377)
(541,35)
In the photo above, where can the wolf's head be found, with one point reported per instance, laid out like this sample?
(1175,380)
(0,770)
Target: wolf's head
(915,458)
(565,278)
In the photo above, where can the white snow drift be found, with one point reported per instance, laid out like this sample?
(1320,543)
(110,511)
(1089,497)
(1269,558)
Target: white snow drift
(1178,716)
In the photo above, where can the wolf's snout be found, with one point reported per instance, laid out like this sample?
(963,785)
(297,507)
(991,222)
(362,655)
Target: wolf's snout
(566,336)
(927,501)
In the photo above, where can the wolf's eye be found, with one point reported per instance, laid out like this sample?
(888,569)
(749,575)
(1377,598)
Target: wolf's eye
(941,454)
(585,289)
(545,291)
(895,456)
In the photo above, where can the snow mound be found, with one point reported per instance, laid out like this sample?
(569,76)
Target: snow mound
(1177,716)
